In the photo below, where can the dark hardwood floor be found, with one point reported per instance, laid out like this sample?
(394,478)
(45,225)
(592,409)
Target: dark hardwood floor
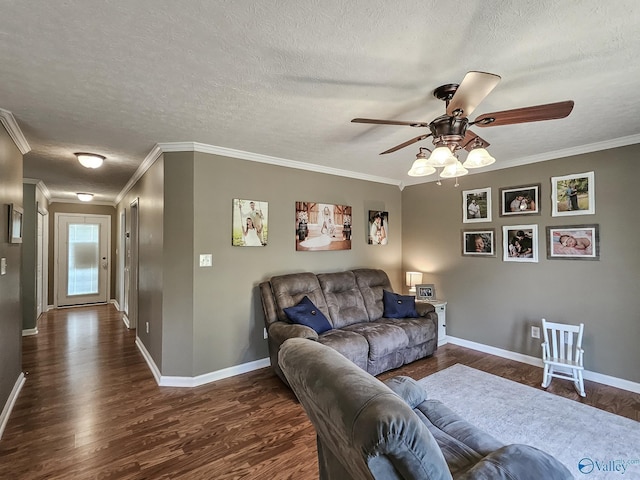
(90,409)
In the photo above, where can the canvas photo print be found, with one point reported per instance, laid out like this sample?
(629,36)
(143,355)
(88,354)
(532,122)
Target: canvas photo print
(322,226)
(573,194)
(520,243)
(478,243)
(378,227)
(250,224)
(519,200)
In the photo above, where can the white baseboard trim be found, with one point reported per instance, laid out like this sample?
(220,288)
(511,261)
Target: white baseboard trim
(190,382)
(50,307)
(537,362)
(115,303)
(147,357)
(27,332)
(125,319)
(11,401)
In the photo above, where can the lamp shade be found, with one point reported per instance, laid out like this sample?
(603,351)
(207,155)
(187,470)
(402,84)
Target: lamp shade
(478,157)
(85,197)
(441,157)
(412,279)
(454,170)
(90,160)
(421,169)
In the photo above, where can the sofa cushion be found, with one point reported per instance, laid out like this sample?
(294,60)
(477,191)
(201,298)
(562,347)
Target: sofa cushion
(371,283)
(306,313)
(419,330)
(350,344)
(289,289)
(383,339)
(343,297)
(399,306)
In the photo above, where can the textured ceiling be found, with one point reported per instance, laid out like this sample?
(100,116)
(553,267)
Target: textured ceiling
(284,79)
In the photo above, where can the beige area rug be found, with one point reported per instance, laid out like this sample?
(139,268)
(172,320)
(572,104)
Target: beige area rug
(593,444)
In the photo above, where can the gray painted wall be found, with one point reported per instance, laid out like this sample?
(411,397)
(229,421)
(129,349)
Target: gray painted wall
(227,314)
(495,303)
(10,301)
(149,191)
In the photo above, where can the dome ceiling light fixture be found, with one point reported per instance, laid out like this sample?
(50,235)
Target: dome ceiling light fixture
(450,131)
(90,160)
(85,197)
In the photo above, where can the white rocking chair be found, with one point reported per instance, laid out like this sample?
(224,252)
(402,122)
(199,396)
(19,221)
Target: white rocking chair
(562,355)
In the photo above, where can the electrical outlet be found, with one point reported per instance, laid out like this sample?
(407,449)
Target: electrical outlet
(266,335)
(147,327)
(535,331)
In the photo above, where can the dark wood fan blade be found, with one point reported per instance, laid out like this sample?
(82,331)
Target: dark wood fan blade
(474,88)
(472,140)
(537,113)
(389,122)
(407,143)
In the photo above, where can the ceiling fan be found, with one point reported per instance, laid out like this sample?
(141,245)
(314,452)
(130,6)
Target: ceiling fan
(450,131)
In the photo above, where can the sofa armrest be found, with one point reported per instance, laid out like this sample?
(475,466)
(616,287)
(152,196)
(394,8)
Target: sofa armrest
(424,308)
(281,331)
(523,462)
(408,389)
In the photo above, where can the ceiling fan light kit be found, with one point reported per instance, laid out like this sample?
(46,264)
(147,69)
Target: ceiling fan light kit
(90,160)
(450,131)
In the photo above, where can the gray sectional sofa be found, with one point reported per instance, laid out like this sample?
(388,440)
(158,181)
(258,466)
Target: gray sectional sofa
(352,302)
(367,429)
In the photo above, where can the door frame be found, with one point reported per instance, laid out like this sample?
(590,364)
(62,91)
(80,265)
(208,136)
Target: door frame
(134,266)
(56,267)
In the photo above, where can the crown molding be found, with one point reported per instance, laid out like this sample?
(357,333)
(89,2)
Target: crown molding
(10,123)
(149,160)
(260,158)
(79,202)
(40,184)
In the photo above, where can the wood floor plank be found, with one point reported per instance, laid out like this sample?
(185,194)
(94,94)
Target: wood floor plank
(90,409)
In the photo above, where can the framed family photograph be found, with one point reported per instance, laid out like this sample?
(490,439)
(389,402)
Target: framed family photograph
(425,291)
(479,243)
(573,195)
(322,226)
(573,242)
(521,200)
(476,205)
(520,243)
(250,223)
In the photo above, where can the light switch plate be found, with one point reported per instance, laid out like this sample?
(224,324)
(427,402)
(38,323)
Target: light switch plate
(206,260)
(3,266)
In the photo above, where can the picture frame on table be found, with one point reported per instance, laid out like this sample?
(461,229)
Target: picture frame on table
(573,242)
(522,200)
(425,291)
(520,243)
(573,194)
(479,243)
(476,205)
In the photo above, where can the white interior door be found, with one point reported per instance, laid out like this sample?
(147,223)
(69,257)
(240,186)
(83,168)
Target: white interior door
(83,259)
(39,265)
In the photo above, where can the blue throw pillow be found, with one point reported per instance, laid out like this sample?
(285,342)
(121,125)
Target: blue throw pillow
(399,306)
(306,313)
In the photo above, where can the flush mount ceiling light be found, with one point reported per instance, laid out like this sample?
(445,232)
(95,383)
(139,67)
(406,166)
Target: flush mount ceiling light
(449,131)
(85,197)
(90,160)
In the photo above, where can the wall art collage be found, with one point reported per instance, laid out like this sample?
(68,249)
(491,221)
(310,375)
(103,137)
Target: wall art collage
(571,195)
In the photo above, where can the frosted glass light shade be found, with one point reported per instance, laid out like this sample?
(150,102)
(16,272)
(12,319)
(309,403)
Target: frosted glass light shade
(478,157)
(421,169)
(85,197)
(441,157)
(455,170)
(90,160)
